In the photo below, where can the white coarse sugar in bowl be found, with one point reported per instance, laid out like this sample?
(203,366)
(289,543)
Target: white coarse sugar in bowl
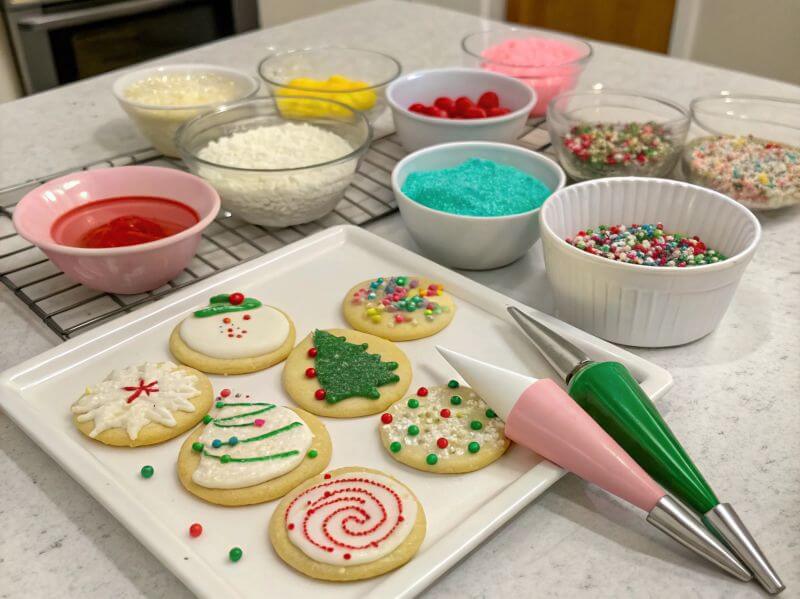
(275,162)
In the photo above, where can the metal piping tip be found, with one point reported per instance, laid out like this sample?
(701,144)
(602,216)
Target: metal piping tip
(726,523)
(562,355)
(671,518)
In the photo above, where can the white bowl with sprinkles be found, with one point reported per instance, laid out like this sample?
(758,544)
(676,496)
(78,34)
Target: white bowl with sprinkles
(630,303)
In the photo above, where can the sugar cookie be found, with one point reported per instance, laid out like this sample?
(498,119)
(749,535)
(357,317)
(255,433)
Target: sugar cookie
(143,404)
(345,374)
(350,524)
(399,308)
(251,451)
(233,335)
(443,429)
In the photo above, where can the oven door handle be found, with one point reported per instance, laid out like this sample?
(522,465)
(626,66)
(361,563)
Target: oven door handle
(84,16)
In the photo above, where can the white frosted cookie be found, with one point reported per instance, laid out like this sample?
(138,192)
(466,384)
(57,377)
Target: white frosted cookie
(234,334)
(346,374)
(350,524)
(251,451)
(399,308)
(447,430)
(143,404)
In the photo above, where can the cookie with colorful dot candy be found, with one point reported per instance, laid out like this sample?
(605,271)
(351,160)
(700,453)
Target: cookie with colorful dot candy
(143,404)
(250,451)
(348,524)
(234,334)
(345,374)
(399,308)
(447,430)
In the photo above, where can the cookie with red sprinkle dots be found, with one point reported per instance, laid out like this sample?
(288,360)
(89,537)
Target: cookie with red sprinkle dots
(234,334)
(445,429)
(346,374)
(348,524)
(399,308)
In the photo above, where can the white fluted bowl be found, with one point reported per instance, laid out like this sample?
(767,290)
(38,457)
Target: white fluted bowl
(637,305)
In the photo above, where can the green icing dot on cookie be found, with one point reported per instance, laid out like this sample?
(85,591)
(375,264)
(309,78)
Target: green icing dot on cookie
(453,384)
(312,453)
(413,430)
(395,446)
(197,446)
(431,459)
(455,400)
(490,413)
(413,403)
(475,425)
(207,418)
(474,447)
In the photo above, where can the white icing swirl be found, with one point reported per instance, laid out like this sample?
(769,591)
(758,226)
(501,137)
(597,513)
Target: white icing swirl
(135,396)
(352,518)
(234,335)
(270,431)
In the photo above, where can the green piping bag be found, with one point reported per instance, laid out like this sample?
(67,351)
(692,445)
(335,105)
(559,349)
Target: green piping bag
(611,396)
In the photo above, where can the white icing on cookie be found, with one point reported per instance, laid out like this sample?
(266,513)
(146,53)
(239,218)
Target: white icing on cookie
(135,396)
(274,441)
(352,518)
(438,416)
(244,334)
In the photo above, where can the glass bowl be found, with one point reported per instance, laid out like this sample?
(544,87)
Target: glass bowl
(609,133)
(159,118)
(351,76)
(747,147)
(493,50)
(277,197)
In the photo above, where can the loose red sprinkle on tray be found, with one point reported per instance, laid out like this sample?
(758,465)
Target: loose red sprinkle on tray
(647,245)
(487,106)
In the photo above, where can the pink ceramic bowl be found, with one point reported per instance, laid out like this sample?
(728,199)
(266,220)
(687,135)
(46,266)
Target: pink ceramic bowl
(129,269)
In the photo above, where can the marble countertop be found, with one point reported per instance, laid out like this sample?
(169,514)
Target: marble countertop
(734,404)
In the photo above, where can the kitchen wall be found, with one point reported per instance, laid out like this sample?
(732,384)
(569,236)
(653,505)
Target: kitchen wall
(9,81)
(760,37)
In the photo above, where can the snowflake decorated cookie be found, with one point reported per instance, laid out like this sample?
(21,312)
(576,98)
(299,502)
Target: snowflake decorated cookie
(399,308)
(249,451)
(143,404)
(345,374)
(348,524)
(447,430)
(234,334)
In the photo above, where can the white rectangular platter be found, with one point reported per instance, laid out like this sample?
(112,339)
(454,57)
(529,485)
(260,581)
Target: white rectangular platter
(308,279)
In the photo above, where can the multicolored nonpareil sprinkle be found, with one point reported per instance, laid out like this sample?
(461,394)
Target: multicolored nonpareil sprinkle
(755,172)
(647,245)
(401,299)
(601,148)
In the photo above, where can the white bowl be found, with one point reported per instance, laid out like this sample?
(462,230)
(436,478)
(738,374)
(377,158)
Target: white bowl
(473,242)
(417,131)
(645,306)
(158,122)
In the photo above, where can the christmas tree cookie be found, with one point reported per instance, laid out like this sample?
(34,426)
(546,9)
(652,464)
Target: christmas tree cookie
(143,404)
(349,524)
(345,374)
(445,430)
(249,451)
(234,334)
(399,308)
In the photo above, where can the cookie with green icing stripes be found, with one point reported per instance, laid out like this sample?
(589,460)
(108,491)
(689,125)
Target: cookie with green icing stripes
(249,451)
(345,374)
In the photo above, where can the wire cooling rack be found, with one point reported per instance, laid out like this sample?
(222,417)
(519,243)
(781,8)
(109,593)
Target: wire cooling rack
(69,308)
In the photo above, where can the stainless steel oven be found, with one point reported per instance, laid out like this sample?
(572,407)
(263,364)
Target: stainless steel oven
(58,41)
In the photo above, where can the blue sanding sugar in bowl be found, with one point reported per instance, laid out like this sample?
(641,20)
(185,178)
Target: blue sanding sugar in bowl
(477,187)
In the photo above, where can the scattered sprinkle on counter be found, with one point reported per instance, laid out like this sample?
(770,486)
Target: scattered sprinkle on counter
(477,187)
(756,172)
(601,148)
(647,245)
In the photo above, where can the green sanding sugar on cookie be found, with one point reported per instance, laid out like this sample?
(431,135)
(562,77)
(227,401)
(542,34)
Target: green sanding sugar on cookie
(346,369)
(477,187)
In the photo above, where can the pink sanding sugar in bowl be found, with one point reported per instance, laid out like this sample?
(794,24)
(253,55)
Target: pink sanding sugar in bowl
(548,64)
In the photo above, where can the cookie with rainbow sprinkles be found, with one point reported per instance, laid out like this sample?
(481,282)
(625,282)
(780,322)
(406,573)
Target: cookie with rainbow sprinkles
(446,429)
(399,308)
